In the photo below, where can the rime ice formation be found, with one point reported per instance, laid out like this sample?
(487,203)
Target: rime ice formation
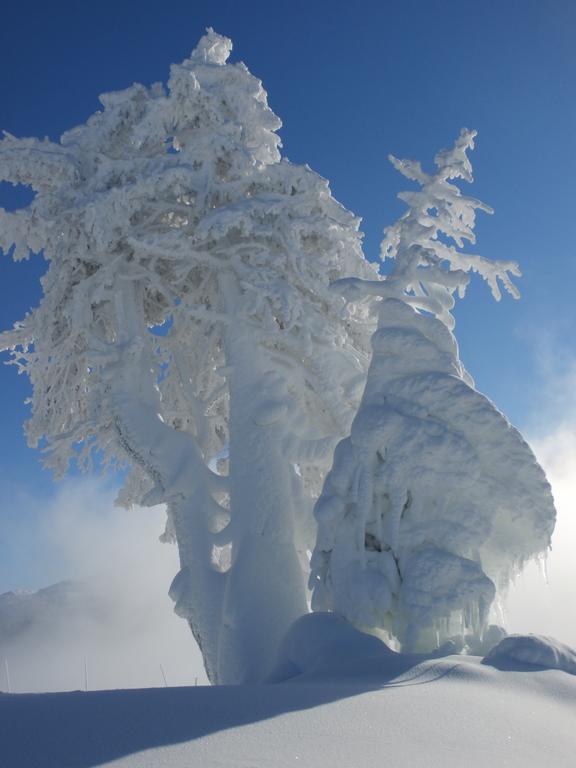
(435,499)
(187,316)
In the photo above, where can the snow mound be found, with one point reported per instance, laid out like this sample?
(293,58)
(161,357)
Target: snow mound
(535,650)
(322,641)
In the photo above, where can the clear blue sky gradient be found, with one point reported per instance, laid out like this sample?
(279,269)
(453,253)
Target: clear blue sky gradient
(352,82)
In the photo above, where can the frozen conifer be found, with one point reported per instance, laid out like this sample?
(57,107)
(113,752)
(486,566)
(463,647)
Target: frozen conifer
(434,500)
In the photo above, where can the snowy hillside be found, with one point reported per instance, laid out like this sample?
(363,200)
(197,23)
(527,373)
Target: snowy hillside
(354,703)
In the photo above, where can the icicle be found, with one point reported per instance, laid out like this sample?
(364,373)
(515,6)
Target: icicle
(543,566)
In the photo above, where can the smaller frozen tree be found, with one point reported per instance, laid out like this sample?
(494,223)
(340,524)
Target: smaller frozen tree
(435,499)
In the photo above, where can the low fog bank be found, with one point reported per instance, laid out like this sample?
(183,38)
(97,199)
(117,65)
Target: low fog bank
(110,623)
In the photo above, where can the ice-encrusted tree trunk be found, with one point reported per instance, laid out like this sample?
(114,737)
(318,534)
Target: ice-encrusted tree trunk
(435,499)
(187,330)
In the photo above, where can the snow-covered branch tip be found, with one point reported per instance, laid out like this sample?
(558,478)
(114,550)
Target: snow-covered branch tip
(427,241)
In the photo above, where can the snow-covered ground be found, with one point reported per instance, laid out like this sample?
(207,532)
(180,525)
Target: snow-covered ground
(354,705)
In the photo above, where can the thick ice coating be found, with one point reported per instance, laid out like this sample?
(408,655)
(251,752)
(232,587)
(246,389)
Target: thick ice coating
(433,500)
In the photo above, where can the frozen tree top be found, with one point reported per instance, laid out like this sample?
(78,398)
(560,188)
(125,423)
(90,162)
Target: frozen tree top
(212,49)
(427,242)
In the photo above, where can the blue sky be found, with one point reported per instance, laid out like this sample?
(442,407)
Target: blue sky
(351,82)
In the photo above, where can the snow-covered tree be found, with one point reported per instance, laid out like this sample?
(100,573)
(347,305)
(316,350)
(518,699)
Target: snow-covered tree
(434,500)
(187,331)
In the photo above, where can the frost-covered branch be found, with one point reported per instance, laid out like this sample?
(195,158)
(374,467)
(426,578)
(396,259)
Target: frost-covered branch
(428,268)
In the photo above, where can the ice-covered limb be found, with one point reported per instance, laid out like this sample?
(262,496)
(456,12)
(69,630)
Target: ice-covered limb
(454,163)
(183,481)
(490,271)
(355,289)
(411,169)
(42,165)
(198,596)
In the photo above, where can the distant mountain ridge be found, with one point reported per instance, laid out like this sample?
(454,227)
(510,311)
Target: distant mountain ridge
(49,611)
(92,635)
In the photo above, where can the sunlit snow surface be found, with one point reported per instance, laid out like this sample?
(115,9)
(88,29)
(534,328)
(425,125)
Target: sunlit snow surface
(358,704)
